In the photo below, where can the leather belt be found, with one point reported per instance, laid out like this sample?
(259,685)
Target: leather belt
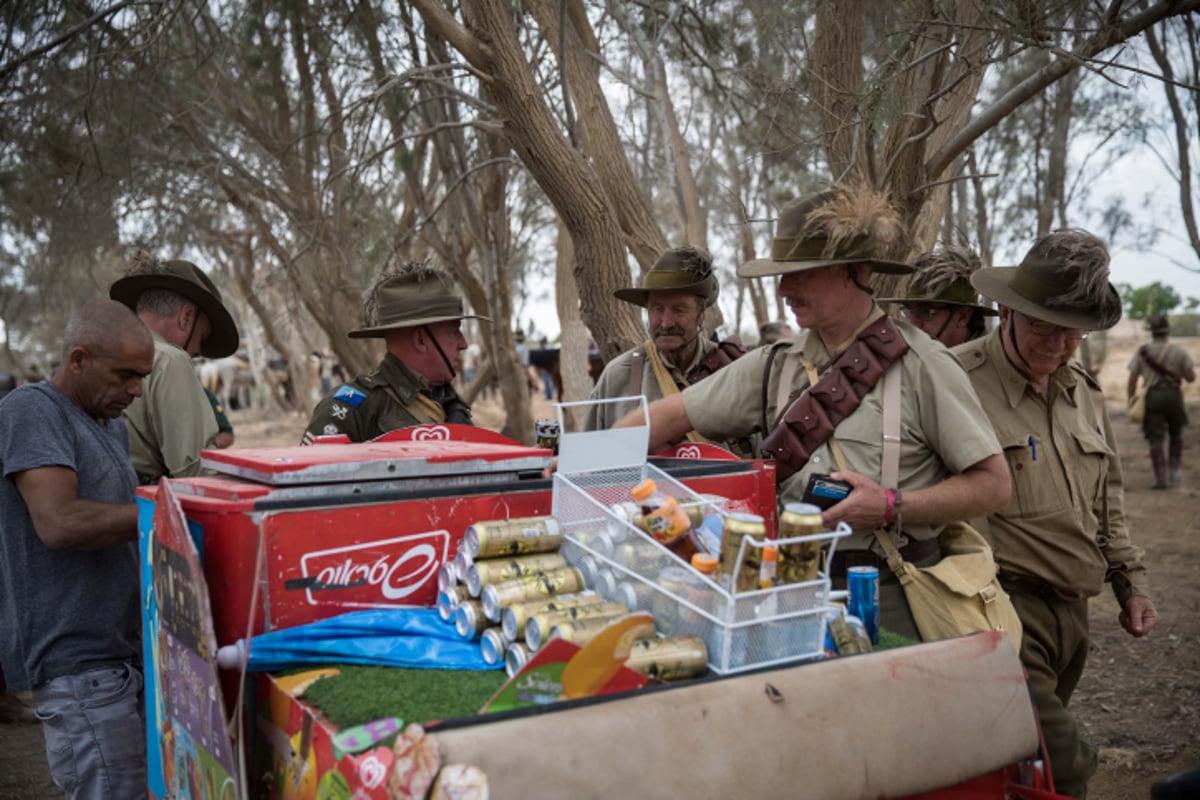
(1024,583)
(916,550)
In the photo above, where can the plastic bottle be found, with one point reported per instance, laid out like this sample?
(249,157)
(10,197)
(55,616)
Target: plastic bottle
(770,559)
(665,520)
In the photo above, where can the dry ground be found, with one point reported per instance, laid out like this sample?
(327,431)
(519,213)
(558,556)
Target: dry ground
(1139,700)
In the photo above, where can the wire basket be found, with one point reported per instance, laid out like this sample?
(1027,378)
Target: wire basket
(742,630)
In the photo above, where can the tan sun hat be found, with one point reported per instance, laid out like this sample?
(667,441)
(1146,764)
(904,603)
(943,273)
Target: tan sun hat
(1063,279)
(843,225)
(680,269)
(415,295)
(186,279)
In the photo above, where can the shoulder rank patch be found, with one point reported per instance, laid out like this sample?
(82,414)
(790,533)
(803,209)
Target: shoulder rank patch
(348,394)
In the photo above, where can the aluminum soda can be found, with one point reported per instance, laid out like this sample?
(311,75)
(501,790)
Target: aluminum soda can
(462,564)
(494,570)
(669,658)
(863,602)
(739,525)
(799,561)
(527,587)
(581,631)
(515,657)
(539,625)
(448,600)
(547,432)
(447,576)
(597,541)
(635,594)
(492,646)
(514,617)
(621,517)
(469,619)
(849,635)
(512,537)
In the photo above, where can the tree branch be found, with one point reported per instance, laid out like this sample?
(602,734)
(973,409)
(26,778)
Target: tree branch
(437,17)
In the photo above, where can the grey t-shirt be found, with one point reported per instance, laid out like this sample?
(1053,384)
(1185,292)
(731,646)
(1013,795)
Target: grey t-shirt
(63,611)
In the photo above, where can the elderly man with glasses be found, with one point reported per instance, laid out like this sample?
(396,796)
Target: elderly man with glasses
(1063,533)
(940,299)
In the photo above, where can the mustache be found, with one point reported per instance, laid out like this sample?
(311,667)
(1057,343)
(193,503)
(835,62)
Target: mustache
(672,331)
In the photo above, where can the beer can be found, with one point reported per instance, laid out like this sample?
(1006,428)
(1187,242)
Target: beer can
(849,635)
(469,619)
(863,602)
(494,570)
(492,645)
(641,555)
(635,594)
(621,518)
(605,583)
(512,537)
(514,617)
(547,432)
(447,576)
(527,587)
(744,577)
(539,625)
(448,600)
(669,658)
(799,561)
(597,541)
(462,564)
(581,631)
(515,657)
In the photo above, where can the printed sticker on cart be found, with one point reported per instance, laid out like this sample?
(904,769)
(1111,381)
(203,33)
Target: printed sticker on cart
(374,574)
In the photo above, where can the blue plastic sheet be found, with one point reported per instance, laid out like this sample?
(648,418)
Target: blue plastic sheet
(399,637)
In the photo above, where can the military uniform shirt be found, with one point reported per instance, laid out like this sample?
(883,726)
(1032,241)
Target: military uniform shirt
(1171,356)
(617,377)
(172,421)
(1066,479)
(363,409)
(943,428)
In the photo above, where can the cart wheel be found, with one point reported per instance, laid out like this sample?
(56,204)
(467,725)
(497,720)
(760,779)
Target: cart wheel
(1177,787)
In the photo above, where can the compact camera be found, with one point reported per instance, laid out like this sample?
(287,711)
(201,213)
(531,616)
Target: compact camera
(823,491)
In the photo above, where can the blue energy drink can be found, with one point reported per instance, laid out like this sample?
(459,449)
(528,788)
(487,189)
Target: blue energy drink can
(863,585)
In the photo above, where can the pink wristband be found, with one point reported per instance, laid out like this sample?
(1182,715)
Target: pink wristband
(891,507)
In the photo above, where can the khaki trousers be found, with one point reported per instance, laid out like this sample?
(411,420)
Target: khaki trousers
(1054,650)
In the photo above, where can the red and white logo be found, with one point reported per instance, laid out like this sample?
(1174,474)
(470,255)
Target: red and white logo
(379,573)
(688,451)
(425,433)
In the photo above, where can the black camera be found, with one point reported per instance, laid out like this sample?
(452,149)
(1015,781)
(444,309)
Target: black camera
(823,491)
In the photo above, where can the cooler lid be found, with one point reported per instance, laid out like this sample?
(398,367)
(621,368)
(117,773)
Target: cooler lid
(374,461)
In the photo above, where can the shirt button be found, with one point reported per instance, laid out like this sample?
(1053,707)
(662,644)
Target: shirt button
(1020,467)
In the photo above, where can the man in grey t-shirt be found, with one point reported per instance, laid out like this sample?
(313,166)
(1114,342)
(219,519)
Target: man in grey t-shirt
(70,622)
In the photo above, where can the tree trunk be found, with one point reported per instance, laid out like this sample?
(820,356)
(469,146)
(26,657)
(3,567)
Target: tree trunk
(573,346)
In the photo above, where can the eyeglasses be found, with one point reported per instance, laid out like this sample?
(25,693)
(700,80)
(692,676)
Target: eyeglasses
(921,313)
(1048,329)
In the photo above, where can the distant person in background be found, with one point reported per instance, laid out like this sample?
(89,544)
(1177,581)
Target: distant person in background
(70,616)
(772,332)
(224,437)
(417,313)
(173,421)
(545,360)
(34,374)
(1164,367)
(940,299)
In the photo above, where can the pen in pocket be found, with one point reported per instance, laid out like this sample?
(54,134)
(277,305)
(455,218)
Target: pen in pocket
(1033,447)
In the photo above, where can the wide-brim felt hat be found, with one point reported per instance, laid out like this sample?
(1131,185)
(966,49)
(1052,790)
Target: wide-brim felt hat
(1037,281)
(1158,323)
(958,293)
(186,279)
(413,299)
(799,245)
(670,274)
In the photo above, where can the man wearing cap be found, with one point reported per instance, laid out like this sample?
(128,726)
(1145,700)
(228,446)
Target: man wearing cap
(173,421)
(419,316)
(677,291)
(1164,367)
(818,398)
(1063,533)
(940,299)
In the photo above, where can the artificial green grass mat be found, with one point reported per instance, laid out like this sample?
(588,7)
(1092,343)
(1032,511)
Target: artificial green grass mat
(888,640)
(363,694)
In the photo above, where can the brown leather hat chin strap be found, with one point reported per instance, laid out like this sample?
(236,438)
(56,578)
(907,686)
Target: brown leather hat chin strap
(441,352)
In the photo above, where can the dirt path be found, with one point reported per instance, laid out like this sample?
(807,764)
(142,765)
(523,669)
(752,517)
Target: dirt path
(1139,700)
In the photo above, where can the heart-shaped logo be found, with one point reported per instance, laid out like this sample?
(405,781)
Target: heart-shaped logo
(689,451)
(425,433)
(374,766)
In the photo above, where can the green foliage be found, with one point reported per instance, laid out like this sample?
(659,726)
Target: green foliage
(1145,300)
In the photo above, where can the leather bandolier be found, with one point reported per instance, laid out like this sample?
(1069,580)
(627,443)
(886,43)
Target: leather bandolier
(809,421)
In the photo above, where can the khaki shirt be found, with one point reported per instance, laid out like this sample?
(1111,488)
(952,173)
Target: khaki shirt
(364,409)
(618,380)
(943,428)
(172,421)
(1171,356)
(1065,523)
